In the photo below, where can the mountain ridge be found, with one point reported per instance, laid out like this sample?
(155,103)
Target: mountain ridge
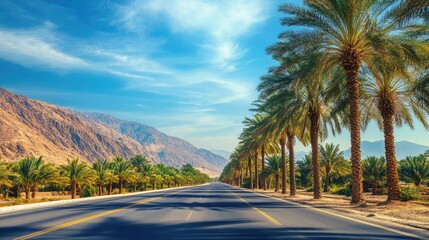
(33,127)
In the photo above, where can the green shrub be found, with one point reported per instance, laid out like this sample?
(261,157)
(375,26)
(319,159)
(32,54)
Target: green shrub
(310,189)
(89,191)
(344,191)
(409,193)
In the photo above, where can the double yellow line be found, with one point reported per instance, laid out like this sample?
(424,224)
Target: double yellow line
(89,218)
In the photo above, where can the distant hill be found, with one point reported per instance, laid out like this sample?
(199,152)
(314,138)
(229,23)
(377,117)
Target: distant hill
(403,149)
(222,153)
(31,127)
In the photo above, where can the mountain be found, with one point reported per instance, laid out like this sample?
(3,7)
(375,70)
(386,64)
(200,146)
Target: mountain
(160,147)
(31,127)
(403,149)
(222,153)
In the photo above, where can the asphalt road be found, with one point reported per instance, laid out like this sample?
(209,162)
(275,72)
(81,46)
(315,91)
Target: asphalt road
(213,211)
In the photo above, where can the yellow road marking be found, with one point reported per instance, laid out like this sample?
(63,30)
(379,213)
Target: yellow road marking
(85,219)
(271,219)
(348,218)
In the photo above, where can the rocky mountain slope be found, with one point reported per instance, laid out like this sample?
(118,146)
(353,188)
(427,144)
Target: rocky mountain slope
(31,127)
(160,147)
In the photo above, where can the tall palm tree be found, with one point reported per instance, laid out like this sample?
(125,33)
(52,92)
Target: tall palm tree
(138,161)
(415,169)
(122,170)
(6,176)
(333,161)
(374,171)
(395,94)
(33,171)
(78,173)
(273,169)
(349,34)
(282,121)
(305,170)
(46,173)
(103,174)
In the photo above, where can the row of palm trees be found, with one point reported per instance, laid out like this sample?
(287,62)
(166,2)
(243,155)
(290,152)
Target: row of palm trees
(30,173)
(335,170)
(341,65)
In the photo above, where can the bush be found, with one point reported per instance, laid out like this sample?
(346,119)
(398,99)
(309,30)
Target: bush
(310,189)
(409,193)
(89,191)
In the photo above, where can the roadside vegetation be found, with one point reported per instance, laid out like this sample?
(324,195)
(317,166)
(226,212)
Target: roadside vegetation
(341,65)
(31,175)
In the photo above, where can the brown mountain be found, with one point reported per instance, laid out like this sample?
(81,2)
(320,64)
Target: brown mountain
(31,127)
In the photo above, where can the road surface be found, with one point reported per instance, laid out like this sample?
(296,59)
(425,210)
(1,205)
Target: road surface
(213,211)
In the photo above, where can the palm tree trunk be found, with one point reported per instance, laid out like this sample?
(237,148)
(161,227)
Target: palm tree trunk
(33,191)
(100,189)
(374,188)
(277,183)
(109,191)
(314,136)
(283,147)
(389,147)
(250,173)
(145,186)
(327,179)
(240,180)
(292,179)
(256,171)
(121,182)
(73,190)
(351,65)
(27,192)
(264,182)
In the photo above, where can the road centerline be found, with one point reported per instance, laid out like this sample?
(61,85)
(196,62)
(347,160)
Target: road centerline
(266,215)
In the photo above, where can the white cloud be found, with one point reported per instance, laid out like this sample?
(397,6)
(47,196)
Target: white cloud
(219,23)
(36,48)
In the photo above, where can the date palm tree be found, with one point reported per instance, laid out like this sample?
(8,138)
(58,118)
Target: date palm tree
(78,173)
(6,176)
(103,174)
(415,169)
(273,170)
(122,170)
(33,171)
(374,171)
(282,122)
(333,161)
(348,34)
(305,170)
(395,94)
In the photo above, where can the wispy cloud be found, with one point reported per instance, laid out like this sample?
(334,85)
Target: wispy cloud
(36,48)
(216,24)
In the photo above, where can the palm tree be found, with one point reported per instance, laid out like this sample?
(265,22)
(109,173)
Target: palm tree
(122,170)
(305,169)
(46,172)
(103,174)
(333,161)
(6,176)
(395,94)
(138,161)
(273,170)
(374,171)
(280,122)
(78,173)
(349,34)
(415,169)
(31,171)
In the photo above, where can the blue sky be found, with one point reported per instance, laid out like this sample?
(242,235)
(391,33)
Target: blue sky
(187,67)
